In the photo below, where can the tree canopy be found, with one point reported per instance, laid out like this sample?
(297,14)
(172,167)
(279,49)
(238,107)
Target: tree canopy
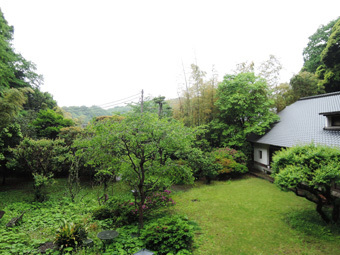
(48,123)
(305,84)
(317,43)
(244,108)
(330,57)
(15,71)
(140,148)
(310,171)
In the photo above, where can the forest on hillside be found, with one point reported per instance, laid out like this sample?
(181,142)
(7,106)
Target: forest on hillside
(84,114)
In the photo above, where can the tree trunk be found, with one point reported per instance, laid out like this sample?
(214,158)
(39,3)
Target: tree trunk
(335,213)
(3,171)
(322,214)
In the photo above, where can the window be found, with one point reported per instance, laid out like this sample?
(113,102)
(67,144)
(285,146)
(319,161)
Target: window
(332,120)
(335,121)
(260,154)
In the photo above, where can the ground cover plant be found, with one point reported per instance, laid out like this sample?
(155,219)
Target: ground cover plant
(68,224)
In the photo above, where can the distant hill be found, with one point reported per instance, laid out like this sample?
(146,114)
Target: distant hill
(85,114)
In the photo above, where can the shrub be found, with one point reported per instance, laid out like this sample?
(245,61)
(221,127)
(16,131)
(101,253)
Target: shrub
(158,200)
(102,213)
(121,211)
(70,235)
(168,235)
(203,165)
(124,212)
(230,160)
(41,182)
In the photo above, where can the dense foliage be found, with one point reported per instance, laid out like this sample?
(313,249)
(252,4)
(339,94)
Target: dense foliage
(168,235)
(140,148)
(41,158)
(231,161)
(305,84)
(49,123)
(317,43)
(244,108)
(329,71)
(70,234)
(310,171)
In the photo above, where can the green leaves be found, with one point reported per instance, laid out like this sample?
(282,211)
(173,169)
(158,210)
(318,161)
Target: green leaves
(311,171)
(317,43)
(168,235)
(245,108)
(49,123)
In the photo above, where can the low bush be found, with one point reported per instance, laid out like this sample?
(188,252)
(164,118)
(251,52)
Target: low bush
(168,235)
(119,210)
(232,162)
(102,213)
(124,212)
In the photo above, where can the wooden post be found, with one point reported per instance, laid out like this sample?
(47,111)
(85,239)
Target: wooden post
(141,106)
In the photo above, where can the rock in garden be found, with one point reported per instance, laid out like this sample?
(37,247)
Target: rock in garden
(15,221)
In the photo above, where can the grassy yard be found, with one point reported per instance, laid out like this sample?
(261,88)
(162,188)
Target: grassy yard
(252,216)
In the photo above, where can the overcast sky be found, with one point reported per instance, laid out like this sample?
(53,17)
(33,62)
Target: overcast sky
(96,52)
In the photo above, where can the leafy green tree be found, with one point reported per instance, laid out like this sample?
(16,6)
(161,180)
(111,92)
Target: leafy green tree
(10,136)
(15,71)
(48,123)
(283,95)
(317,43)
(11,103)
(42,158)
(311,171)
(203,165)
(329,71)
(305,84)
(38,100)
(141,148)
(244,108)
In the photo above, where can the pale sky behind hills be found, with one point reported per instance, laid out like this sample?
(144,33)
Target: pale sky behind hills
(96,52)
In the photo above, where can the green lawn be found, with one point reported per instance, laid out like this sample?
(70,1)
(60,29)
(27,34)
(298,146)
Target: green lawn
(252,216)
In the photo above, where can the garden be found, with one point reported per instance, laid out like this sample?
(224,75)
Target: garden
(243,216)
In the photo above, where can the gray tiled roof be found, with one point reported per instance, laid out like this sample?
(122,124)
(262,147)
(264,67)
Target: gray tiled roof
(301,123)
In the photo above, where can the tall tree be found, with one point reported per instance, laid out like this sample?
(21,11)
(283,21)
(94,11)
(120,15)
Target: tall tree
(317,43)
(305,84)
(283,96)
(244,106)
(11,103)
(330,57)
(196,105)
(15,71)
(270,71)
(10,136)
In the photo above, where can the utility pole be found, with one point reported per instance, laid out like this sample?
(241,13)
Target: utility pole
(142,102)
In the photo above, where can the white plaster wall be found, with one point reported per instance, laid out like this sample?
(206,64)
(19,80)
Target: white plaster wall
(265,156)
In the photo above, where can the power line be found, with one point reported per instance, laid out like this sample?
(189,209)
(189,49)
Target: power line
(114,102)
(127,101)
